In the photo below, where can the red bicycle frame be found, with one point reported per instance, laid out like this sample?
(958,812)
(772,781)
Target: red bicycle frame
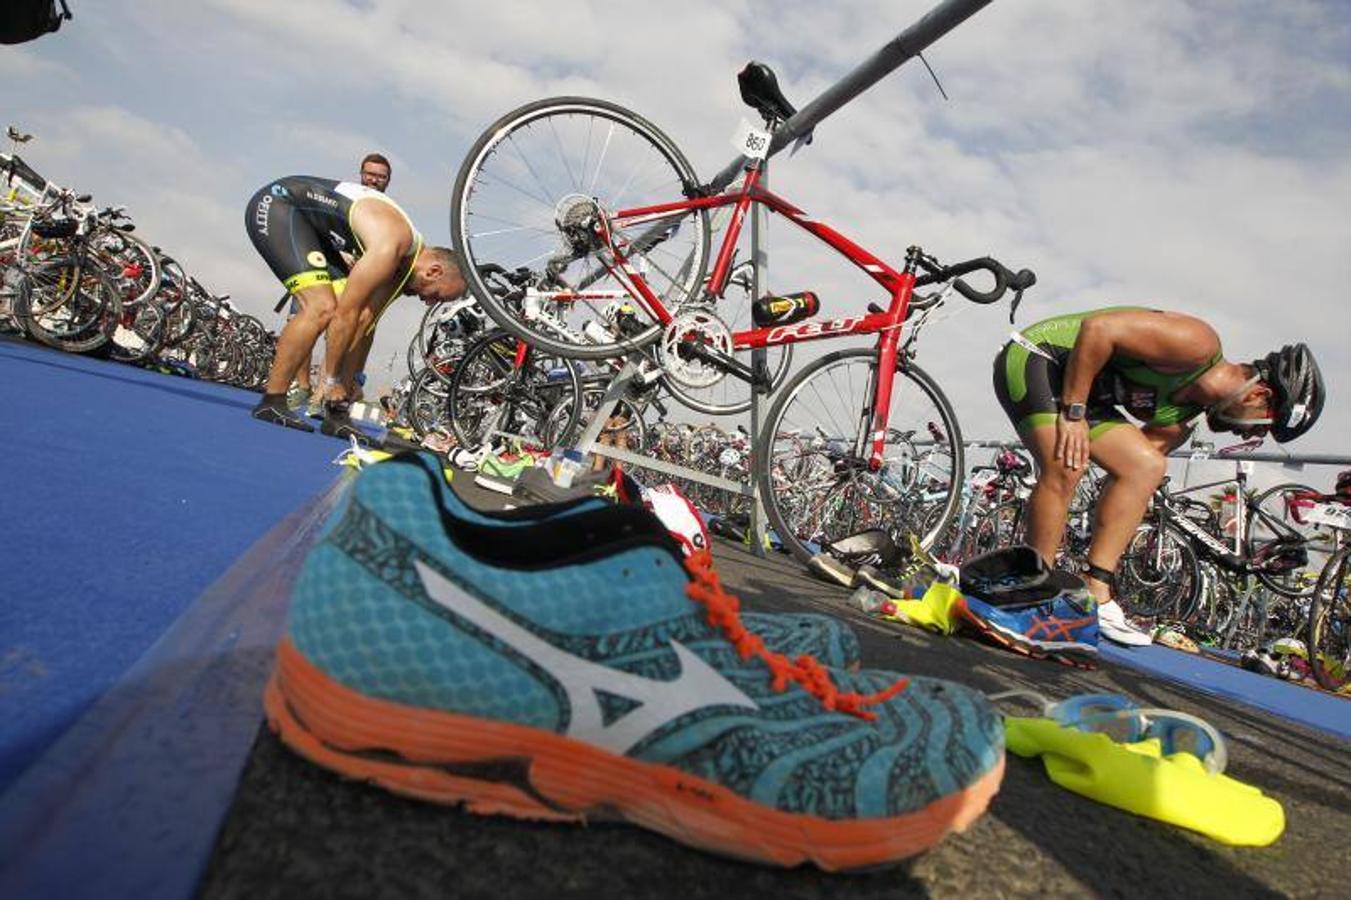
(899,285)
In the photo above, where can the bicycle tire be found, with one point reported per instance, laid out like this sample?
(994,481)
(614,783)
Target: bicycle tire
(1176,579)
(135,288)
(898,507)
(476,249)
(140,338)
(428,403)
(527,396)
(97,315)
(1260,520)
(1329,630)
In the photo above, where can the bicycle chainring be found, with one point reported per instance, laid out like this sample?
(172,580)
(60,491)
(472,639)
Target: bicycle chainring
(694,327)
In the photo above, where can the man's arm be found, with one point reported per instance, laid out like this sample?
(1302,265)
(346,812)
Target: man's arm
(1167,438)
(387,239)
(1170,341)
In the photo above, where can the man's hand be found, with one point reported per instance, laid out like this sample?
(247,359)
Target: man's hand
(1071,442)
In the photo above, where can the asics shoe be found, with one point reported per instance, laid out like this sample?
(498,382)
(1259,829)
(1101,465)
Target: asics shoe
(426,654)
(1061,628)
(791,634)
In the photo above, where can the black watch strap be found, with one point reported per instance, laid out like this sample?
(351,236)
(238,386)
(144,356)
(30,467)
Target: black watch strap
(1073,412)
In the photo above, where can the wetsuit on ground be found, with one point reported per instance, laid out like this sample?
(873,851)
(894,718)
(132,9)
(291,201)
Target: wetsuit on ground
(301,226)
(1030,370)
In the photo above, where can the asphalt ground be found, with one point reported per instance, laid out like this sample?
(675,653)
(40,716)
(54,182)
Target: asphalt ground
(296,830)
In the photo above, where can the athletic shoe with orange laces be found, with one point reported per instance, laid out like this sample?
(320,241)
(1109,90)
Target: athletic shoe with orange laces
(591,672)
(825,638)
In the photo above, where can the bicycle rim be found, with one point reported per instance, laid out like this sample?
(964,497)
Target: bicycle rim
(67,306)
(523,197)
(813,473)
(1329,631)
(1158,574)
(489,397)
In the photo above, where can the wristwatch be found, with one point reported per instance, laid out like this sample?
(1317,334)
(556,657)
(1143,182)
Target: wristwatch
(1073,412)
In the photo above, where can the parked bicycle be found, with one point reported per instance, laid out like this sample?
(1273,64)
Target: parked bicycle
(578,193)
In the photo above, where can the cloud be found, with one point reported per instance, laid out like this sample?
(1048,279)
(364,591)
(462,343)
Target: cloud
(1184,154)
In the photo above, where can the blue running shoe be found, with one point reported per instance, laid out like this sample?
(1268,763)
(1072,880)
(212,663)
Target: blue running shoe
(1064,628)
(824,638)
(426,654)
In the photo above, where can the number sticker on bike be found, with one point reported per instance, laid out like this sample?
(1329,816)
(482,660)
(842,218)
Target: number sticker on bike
(750,141)
(1334,515)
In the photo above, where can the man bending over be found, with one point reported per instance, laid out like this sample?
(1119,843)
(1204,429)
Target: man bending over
(301,225)
(1063,382)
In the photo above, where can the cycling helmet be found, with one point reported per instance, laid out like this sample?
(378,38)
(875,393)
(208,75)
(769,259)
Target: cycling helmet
(1296,390)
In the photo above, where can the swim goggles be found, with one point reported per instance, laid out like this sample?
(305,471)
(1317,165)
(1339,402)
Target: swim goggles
(1126,722)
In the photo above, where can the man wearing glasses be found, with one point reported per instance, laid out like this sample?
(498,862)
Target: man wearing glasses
(1065,383)
(375,172)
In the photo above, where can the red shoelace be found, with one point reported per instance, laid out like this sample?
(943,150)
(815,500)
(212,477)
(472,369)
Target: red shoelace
(724,613)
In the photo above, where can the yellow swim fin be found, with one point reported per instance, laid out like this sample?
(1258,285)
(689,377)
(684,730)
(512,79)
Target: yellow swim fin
(1140,779)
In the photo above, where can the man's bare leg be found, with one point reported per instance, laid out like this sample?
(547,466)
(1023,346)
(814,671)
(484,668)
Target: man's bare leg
(297,339)
(1135,468)
(1049,504)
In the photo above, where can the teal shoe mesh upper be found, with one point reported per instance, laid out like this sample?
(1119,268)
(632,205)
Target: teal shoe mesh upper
(610,650)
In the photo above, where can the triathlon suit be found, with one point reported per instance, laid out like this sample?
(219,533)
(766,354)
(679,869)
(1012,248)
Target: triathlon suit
(1030,369)
(302,225)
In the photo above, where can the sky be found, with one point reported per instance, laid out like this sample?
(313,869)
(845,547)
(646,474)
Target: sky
(1182,154)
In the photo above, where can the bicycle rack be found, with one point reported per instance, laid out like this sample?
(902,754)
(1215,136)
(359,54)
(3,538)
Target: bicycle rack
(911,42)
(618,389)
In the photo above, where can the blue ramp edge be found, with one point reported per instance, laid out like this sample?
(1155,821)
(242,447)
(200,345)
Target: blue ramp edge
(1315,709)
(129,801)
(125,494)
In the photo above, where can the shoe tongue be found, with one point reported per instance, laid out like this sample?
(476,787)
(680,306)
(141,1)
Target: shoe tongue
(578,537)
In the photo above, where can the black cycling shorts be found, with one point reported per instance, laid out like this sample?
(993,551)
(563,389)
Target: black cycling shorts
(1028,386)
(298,253)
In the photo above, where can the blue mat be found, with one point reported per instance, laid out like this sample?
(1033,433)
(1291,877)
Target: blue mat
(125,494)
(129,801)
(1314,709)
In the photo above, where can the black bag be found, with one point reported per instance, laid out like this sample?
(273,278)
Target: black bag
(25,20)
(1016,576)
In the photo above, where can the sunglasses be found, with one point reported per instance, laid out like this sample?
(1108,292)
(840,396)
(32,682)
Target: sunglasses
(1126,722)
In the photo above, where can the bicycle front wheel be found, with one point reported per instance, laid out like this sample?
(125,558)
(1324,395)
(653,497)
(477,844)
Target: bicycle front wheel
(813,470)
(1329,632)
(68,305)
(538,193)
(1158,575)
(490,396)
(1276,535)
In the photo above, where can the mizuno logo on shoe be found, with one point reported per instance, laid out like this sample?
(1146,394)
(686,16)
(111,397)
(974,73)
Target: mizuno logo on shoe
(698,686)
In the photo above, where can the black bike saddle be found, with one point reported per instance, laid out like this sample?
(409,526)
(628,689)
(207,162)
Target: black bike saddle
(760,90)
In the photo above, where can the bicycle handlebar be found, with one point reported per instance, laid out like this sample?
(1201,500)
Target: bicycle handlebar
(1004,279)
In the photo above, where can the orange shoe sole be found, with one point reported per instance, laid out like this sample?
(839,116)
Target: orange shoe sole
(499,768)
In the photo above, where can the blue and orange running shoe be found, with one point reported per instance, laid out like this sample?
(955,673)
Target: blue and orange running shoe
(1064,628)
(591,672)
(824,638)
